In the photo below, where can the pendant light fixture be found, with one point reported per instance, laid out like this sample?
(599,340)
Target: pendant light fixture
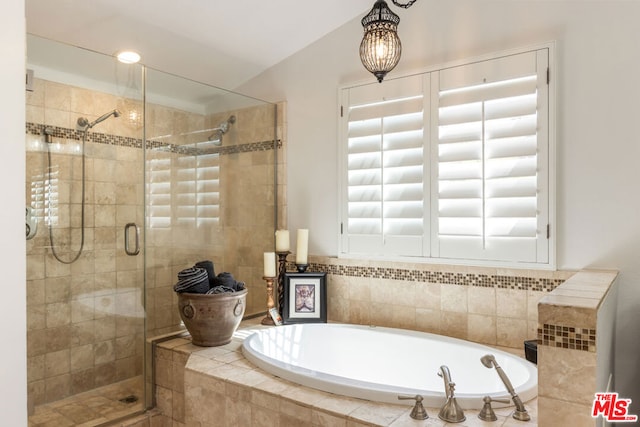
(381,48)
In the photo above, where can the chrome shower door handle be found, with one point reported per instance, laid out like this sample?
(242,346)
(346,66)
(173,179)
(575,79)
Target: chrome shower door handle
(127,249)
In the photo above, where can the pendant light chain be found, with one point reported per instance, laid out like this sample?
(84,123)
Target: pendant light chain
(406,5)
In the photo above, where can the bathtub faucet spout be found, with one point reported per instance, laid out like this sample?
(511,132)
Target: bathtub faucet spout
(520,413)
(451,412)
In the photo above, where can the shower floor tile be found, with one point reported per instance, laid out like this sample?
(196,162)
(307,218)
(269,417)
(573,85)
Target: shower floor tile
(91,408)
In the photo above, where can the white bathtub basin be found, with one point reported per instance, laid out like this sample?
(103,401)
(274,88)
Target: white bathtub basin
(379,364)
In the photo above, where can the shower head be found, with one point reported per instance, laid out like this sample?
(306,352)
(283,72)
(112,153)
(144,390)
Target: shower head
(488,360)
(48,134)
(224,126)
(216,136)
(83,122)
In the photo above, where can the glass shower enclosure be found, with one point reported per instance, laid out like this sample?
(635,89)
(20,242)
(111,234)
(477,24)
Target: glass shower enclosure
(132,175)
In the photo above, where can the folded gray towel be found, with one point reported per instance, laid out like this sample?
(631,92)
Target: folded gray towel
(226,279)
(207,265)
(193,280)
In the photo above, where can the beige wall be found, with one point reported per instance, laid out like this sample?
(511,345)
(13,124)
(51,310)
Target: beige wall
(13,327)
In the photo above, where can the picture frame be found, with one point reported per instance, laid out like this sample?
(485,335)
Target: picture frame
(305,298)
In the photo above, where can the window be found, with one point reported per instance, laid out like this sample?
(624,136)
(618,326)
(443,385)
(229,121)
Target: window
(184,188)
(197,190)
(451,164)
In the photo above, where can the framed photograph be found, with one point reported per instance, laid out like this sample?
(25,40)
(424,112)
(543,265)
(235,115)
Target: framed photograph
(305,298)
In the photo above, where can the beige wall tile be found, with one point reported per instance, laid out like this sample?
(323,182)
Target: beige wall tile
(428,320)
(482,300)
(82,357)
(428,295)
(57,363)
(359,312)
(482,329)
(511,303)
(565,374)
(58,314)
(453,298)
(553,312)
(511,332)
(321,418)
(454,324)
(554,412)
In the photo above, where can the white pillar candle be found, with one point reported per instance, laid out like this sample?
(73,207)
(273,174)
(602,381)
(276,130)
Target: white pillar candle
(269,264)
(282,240)
(302,248)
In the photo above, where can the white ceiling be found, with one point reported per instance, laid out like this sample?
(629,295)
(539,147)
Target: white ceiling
(228,42)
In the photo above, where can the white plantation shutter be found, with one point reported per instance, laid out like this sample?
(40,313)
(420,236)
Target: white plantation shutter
(492,160)
(159,191)
(386,175)
(197,195)
(193,198)
(452,164)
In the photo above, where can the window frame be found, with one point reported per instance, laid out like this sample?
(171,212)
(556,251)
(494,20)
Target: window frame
(431,144)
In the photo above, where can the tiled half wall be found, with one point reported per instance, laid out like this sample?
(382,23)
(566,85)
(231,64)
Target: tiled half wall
(486,305)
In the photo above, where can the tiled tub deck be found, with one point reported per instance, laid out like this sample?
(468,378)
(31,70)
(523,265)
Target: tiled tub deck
(217,386)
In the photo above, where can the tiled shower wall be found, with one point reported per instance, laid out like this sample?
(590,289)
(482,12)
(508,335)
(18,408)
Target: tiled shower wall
(244,225)
(86,320)
(491,306)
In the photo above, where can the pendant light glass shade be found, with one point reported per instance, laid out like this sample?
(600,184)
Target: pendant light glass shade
(380,48)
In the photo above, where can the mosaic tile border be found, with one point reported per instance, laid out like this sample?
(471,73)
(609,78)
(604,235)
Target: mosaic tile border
(97,137)
(569,337)
(462,279)
(123,141)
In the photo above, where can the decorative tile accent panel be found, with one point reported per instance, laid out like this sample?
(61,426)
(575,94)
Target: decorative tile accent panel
(568,337)
(97,137)
(228,149)
(463,279)
(122,141)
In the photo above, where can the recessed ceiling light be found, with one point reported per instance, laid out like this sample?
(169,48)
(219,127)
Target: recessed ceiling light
(128,56)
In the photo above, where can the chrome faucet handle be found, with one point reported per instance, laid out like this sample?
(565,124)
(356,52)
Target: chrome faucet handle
(487,414)
(418,412)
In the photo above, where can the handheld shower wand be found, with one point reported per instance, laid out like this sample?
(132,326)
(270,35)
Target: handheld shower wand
(520,413)
(83,125)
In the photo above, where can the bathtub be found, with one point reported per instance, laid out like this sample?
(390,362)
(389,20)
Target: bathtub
(379,364)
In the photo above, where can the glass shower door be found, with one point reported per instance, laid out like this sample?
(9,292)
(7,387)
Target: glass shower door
(210,189)
(84,189)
